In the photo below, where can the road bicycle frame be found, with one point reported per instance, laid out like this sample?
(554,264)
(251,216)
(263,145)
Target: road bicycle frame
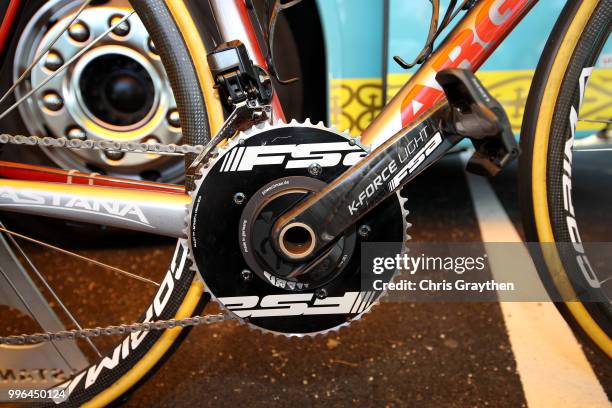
(138,206)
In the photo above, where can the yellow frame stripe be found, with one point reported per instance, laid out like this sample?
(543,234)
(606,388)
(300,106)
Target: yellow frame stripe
(539,188)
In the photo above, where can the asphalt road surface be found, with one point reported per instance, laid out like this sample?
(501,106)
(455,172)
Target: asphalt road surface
(401,354)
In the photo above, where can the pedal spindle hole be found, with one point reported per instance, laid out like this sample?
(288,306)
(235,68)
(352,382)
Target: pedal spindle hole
(297,240)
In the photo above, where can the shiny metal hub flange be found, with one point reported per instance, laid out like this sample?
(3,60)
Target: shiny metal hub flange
(116,91)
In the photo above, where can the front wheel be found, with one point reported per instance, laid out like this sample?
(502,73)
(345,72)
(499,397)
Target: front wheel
(566,163)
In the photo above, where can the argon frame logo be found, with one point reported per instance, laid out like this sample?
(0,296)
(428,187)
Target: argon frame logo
(473,39)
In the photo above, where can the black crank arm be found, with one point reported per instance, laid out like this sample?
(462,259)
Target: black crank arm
(469,112)
(373,179)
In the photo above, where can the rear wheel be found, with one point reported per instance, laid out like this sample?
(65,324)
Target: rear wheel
(116,90)
(121,367)
(553,187)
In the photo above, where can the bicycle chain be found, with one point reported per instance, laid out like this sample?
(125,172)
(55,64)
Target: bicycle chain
(114,146)
(113,330)
(104,145)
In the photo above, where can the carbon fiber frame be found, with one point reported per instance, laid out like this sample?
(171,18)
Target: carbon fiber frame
(468,46)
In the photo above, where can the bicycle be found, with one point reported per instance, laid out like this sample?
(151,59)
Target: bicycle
(279,202)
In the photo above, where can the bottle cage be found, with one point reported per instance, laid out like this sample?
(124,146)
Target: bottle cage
(435,30)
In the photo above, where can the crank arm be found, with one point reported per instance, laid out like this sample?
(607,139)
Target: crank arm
(469,112)
(372,180)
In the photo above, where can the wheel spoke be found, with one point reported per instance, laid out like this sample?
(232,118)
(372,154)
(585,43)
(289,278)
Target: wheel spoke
(605,280)
(26,305)
(50,289)
(43,52)
(595,120)
(603,149)
(81,257)
(66,65)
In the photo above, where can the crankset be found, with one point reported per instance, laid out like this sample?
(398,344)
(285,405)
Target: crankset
(241,194)
(274,216)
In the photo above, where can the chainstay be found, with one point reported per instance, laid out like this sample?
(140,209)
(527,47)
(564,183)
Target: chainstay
(113,330)
(103,145)
(128,147)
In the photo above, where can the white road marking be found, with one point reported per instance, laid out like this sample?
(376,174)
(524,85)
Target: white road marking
(550,362)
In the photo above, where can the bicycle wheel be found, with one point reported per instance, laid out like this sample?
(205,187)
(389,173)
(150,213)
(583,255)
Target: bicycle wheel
(549,137)
(124,366)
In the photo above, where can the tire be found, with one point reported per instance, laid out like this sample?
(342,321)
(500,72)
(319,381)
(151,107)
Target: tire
(180,295)
(575,42)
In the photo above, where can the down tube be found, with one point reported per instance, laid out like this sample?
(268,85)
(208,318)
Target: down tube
(468,46)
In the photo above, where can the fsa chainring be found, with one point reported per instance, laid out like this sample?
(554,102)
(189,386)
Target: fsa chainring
(242,191)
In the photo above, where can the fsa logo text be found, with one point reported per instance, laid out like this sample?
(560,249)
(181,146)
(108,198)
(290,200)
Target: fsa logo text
(292,156)
(416,161)
(298,304)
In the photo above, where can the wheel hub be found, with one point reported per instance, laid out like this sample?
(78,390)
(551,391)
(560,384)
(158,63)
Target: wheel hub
(115,91)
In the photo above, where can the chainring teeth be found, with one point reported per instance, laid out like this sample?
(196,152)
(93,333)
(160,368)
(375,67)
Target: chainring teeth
(219,154)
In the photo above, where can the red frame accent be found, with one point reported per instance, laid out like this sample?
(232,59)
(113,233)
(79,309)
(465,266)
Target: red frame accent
(19,171)
(7,22)
(259,58)
(463,38)
(471,42)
